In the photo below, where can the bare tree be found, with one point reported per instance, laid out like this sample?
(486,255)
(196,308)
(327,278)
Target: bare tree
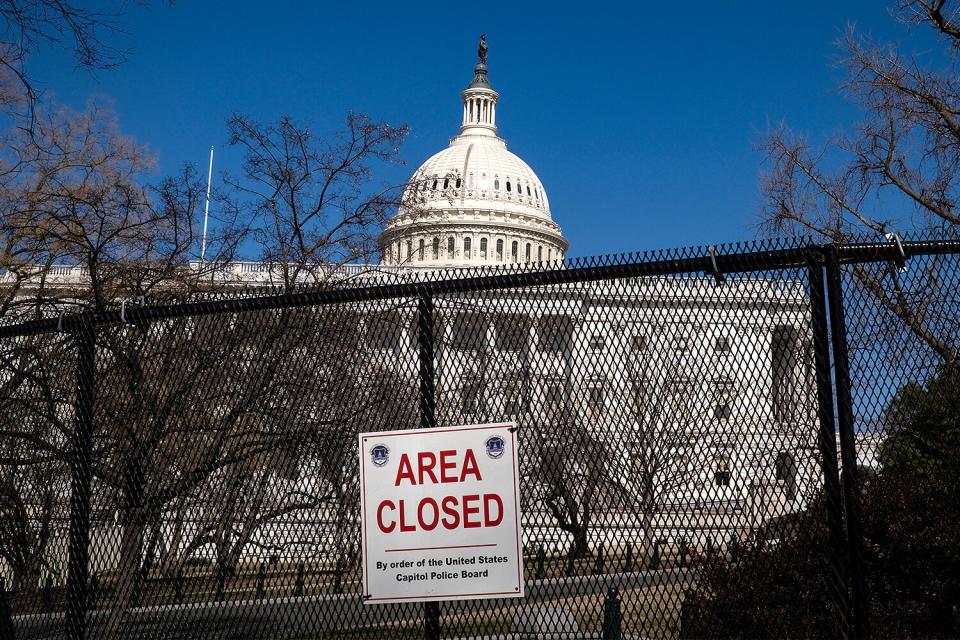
(899,167)
(311,200)
(89,34)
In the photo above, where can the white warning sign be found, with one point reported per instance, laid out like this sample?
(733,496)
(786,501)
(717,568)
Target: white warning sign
(440,514)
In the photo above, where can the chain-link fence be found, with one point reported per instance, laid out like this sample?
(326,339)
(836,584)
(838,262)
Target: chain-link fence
(689,427)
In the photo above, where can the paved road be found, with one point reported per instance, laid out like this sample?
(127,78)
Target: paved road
(314,615)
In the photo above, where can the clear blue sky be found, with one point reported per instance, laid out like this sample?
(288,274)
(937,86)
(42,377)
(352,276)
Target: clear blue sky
(640,118)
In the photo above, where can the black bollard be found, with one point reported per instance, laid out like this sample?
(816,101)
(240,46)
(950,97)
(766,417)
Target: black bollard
(261,579)
(655,560)
(46,595)
(338,576)
(94,592)
(688,613)
(298,585)
(570,562)
(178,587)
(612,616)
(136,593)
(540,571)
(6,612)
(221,583)
(733,547)
(599,565)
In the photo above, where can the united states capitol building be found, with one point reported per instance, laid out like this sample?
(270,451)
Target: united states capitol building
(700,395)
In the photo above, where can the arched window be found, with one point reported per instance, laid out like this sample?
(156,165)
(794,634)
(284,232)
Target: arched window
(526,253)
(458,183)
(466,247)
(436,248)
(450,247)
(470,182)
(528,190)
(549,255)
(536,194)
(409,249)
(513,251)
(434,184)
(446,182)
(499,249)
(421,256)
(540,254)
(483,248)
(508,186)
(496,184)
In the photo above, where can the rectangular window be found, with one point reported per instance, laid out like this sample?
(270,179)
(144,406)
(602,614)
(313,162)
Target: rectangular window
(783,382)
(638,399)
(721,471)
(598,343)
(681,344)
(471,403)
(680,401)
(469,332)
(553,398)
(722,400)
(384,333)
(722,344)
(595,399)
(512,406)
(554,334)
(511,333)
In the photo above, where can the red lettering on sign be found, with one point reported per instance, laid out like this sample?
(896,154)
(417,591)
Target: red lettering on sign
(383,527)
(404,470)
(448,465)
(470,467)
(427,463)
(449,505)
(468,511)
(488,521)
(428,525)
(404,527)
(426,460)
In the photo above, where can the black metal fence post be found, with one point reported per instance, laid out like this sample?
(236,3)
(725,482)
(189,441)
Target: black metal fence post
(826,437)
(425,344)
(848,453)
(81,470)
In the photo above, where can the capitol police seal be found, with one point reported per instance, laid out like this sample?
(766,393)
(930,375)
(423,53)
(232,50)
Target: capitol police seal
(495,446)
(379,455)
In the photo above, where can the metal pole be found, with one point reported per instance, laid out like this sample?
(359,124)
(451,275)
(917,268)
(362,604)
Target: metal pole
(81,463)
(848,453)
(827,440)
(428,419)
(206,208)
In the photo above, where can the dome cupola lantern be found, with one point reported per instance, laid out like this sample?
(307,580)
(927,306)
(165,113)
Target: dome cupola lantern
(474,203)
(479,99)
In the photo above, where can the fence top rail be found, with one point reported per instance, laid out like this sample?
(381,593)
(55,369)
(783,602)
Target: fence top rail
(703,261)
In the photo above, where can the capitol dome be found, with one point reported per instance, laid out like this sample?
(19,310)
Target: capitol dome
(475,202)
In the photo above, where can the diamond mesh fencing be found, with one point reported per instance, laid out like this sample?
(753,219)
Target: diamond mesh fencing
(191,470)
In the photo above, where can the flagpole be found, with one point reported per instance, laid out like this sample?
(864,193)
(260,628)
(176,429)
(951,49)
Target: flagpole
(206,209)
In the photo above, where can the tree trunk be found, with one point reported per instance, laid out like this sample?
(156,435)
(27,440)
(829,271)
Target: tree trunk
(131,543)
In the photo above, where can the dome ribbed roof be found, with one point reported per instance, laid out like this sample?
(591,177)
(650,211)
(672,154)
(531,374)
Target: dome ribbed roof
(479,173)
